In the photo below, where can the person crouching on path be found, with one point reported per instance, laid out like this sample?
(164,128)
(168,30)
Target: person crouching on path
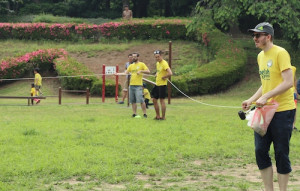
(163,72)
(137,69)
(276,77)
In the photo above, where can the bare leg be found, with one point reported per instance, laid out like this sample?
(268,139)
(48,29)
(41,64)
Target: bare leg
(134,108)
(267,176)
(156,107)
(124,95)
(283,180)
(143,106)
(163,108)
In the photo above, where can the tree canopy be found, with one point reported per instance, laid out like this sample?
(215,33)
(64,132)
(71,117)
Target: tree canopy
(283,14)
(99,8)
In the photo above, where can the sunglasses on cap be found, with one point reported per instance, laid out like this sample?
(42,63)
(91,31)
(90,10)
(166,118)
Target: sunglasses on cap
(257,35)
(157,52)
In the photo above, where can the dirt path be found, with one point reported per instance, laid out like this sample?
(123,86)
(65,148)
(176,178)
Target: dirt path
(113,58)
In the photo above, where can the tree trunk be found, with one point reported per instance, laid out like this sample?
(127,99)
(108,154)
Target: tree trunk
(168,11)
(140,8)
(107,4)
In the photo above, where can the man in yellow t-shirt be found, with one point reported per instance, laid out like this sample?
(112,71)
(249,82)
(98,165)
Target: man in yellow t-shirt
(136,69)
(37,81)
(163,72)
(277,81)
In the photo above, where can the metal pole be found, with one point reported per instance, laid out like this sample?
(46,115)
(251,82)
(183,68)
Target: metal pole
(87,95)
(103,83)
(117,83)
(59,95)
(170,65)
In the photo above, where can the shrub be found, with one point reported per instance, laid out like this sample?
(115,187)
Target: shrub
(110,88)
(47,18)
(17,67)
(137,29)
(226,68)
(71,69)
(74,75)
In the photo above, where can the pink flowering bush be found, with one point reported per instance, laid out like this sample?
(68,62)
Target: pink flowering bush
(17,67)
(74,75)
(136,29)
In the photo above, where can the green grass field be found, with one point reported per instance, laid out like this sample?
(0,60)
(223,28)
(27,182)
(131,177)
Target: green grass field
(74,146)
(99,146)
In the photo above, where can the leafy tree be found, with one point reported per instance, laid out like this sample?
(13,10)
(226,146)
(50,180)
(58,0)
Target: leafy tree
(282,13)
(9,6)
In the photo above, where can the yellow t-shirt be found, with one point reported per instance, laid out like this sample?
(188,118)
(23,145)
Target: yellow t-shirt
(161,68)
(33,92)
(136,80)
(37,79)
(146,93)
(294,73)
(271,64)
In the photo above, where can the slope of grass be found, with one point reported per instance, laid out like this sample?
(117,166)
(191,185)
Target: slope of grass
(74,146)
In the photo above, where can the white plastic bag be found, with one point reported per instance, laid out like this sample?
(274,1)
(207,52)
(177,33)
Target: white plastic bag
(260,118)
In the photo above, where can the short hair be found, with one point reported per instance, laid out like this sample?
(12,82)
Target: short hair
(37,70)
(137,54)
(129,55)
(126,6)
(158,52)
(32,85)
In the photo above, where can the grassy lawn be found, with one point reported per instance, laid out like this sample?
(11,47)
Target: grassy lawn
(100,147)
(81,147)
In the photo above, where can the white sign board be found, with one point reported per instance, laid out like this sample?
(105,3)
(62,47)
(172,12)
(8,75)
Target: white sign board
(110,69)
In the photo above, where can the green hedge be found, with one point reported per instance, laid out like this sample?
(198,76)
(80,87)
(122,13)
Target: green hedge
(136,29)
(226,68)
(70,67)
(56,60)
(227,64)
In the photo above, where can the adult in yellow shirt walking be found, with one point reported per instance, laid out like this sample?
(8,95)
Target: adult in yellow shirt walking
(163,72)
(37,81)
(136,69)
(276,76)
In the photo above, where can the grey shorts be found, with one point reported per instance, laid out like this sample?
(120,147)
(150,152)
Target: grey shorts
(37,87)
(136,94)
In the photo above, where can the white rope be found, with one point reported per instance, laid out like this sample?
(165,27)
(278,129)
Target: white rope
(212,105)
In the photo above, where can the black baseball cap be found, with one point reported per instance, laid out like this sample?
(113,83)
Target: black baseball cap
(263,27)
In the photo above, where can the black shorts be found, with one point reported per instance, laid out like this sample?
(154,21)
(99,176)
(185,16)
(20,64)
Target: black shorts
(159,92)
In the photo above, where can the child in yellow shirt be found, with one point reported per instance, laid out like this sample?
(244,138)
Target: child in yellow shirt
(147,96)
(33,92)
